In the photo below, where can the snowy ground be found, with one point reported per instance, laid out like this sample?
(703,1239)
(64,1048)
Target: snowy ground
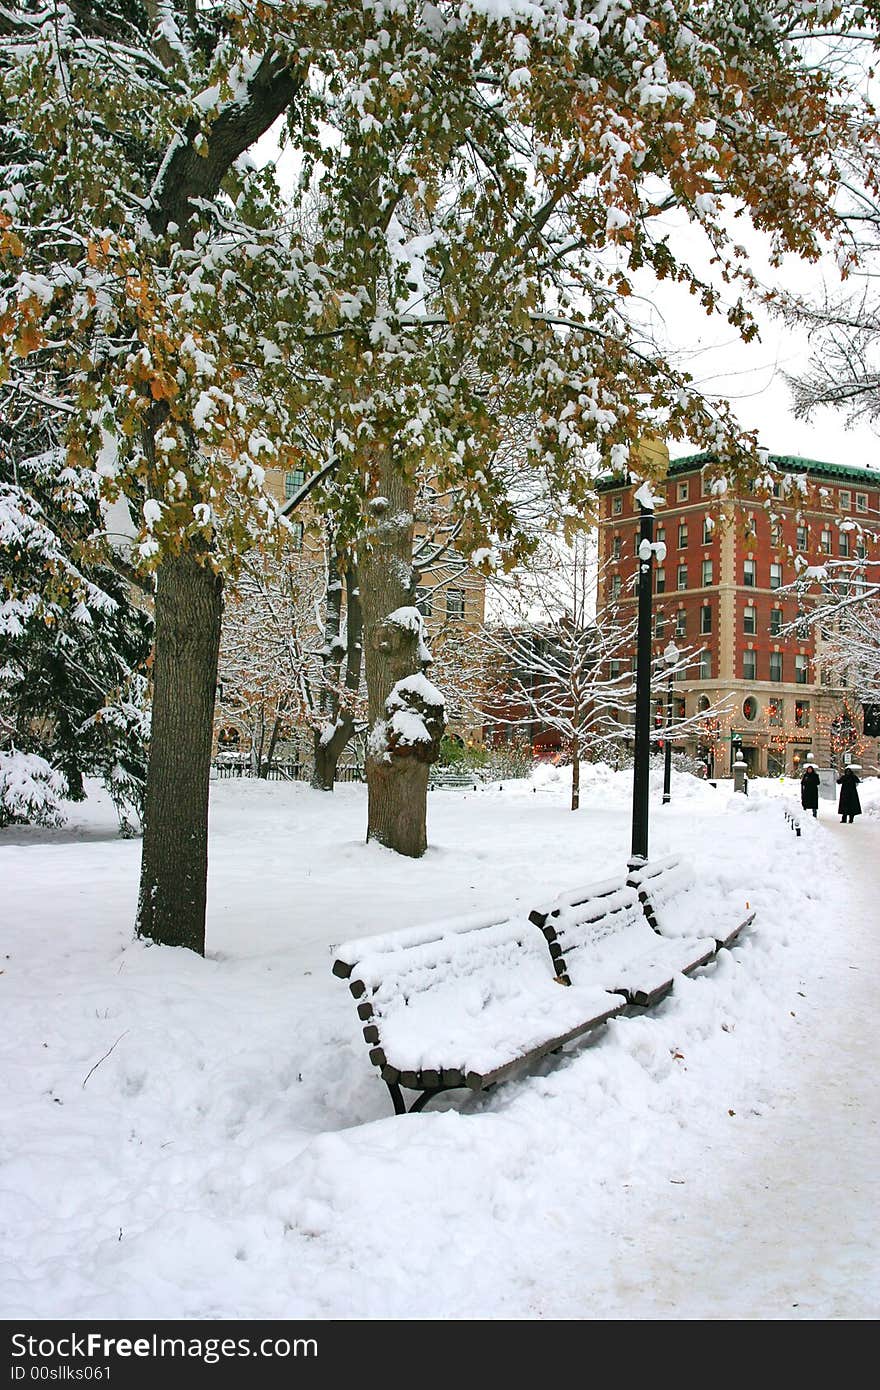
(234,1155)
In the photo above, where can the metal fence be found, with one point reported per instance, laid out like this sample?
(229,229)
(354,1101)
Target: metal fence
(283,772)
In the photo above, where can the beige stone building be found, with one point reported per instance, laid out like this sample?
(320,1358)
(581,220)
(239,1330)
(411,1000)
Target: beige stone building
(450,597)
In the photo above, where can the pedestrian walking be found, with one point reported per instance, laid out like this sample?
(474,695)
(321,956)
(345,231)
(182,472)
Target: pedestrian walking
(849,805)
(810,788)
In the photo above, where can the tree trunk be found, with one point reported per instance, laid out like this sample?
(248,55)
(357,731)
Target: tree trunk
(575,774)
(397,777)
(266,767)
(328,751)
(173,887)
(327,754)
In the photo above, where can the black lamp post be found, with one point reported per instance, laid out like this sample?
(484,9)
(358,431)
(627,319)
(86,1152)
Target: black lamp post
(642,754)
(670,656)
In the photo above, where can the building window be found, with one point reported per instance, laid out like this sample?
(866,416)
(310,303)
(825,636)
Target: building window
(616,506)
(802,714)
(296,535)
(455,602)
(681,623)
(750,666)
(682,492)
(615,586)
(708,531)
(660,535)
(845,500)
(775,621)
(660,575)
(775,534)
(861,501)
(802,539)
(705,664)
(424,602)
(706,618)
(774,712)
(293,481)
(749,573)
(826,542)
(750,625)
(682,535)
(682,577)
(659,625)
(861,550)
(615,669)
(775,576)
(750,708)
(801,669)
(707,573)
(705,486)
(776,666)
(615,548)
(844,545)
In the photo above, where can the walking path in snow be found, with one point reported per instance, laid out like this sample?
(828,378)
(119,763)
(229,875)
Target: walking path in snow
(784,1223)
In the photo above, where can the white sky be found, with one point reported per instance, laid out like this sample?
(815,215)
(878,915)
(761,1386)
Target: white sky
(751,376)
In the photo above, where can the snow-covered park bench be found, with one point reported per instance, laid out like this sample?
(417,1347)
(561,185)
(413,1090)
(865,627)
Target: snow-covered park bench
(463,1003)
(449,777)
(676,904)
(601,934)
(469,1001)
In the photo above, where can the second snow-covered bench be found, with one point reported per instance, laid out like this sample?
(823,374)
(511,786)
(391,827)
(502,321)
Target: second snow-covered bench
(601,934)
(676,904)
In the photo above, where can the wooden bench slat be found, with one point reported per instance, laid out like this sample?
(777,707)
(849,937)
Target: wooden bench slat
(675,903)
(601,934)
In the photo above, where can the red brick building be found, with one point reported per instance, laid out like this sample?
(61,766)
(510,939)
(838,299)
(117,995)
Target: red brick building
(721,593)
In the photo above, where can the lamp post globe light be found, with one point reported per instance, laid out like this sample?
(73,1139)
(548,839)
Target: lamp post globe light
(670,656)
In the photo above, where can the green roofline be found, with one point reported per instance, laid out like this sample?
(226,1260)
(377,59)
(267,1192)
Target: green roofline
(781,463)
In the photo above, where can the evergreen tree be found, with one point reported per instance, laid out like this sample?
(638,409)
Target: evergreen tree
(74,646)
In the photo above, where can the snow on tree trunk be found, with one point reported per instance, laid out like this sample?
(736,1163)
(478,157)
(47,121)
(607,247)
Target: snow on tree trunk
(171,907)
(406,713)
(575,774)
(337,727)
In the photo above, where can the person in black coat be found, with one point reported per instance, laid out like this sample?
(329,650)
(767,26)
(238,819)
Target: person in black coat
(849,805)
(810,789)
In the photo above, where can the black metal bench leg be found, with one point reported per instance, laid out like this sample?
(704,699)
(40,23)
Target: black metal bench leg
(422,1100)
(397,1099)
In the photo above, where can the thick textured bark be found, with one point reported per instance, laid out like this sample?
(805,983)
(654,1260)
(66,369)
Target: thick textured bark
(174,863)
(337,715)
(397,780)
